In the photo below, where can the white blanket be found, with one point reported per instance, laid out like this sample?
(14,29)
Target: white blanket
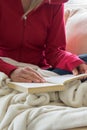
(44,111)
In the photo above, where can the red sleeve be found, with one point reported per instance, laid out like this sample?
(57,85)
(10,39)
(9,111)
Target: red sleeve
(56,43)
(6,68)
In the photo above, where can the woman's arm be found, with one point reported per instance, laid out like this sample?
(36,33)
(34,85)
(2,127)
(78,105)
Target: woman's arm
(20,74)
(56,43)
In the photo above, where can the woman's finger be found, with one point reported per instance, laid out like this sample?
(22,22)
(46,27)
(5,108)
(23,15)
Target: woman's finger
(32,75)
(75,71)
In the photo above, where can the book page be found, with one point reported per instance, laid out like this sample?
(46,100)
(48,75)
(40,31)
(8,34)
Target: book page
(33,85)
(61,79)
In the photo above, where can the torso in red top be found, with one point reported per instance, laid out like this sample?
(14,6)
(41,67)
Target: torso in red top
(37,38)
(23,39)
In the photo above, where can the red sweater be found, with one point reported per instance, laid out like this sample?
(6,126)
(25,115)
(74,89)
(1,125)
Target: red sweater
(39,39)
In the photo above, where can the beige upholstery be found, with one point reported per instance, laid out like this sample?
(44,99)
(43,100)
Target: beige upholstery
(76,27)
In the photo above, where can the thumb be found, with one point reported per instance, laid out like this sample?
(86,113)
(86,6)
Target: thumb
(75,71)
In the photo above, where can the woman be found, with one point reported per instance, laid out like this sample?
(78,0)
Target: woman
(32,31)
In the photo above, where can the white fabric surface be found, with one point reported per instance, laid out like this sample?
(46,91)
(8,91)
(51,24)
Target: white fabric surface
(44,111)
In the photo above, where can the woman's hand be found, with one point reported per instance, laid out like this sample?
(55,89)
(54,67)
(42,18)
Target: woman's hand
(82,68)
(26,74)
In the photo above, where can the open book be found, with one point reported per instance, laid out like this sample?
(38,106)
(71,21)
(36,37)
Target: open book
(54,83)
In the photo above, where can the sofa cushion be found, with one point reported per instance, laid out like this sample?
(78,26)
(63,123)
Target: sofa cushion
(76,29)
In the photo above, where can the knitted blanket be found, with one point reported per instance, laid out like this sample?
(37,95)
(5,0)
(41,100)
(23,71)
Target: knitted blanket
(43,111)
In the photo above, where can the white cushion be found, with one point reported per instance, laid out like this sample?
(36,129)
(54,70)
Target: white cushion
(76,29)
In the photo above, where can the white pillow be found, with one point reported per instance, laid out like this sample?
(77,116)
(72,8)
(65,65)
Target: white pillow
(76,30)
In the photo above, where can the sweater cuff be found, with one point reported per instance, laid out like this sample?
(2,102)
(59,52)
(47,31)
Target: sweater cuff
(75,64)
(7,68)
